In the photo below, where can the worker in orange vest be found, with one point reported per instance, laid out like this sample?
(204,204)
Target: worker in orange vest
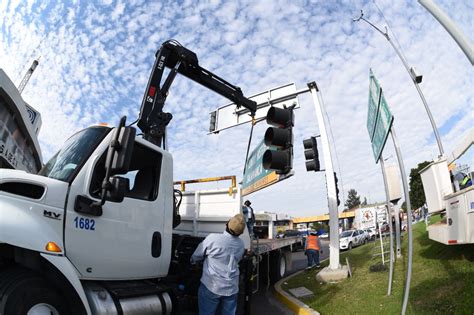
(312,249)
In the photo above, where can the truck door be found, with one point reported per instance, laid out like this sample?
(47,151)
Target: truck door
(132,238)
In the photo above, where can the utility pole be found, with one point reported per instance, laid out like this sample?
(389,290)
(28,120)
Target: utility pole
(416,78)
(27,76)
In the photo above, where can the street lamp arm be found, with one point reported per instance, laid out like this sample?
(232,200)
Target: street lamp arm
(407,67)
(361,17)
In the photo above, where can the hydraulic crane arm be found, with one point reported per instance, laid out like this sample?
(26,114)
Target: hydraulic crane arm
(152,120)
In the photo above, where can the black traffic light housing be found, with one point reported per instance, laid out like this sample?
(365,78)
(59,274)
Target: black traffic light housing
(311,154)
(337,189)
(281,138)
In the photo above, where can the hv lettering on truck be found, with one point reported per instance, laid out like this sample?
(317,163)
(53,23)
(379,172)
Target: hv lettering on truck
(84,223)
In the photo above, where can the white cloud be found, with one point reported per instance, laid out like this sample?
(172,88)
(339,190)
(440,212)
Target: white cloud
(95,64)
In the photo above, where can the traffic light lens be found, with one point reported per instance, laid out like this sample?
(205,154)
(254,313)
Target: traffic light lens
(308,143)
(313,166)
(275,160)
(277,137)
(279,117)
(309,154)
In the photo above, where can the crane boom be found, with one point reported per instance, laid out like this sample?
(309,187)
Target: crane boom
(27,76)
(152,120)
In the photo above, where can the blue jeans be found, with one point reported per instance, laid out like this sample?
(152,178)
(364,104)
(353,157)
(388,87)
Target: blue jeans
(313,257)
(209,302)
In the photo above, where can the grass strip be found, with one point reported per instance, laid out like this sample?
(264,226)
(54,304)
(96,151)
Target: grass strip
(442,281)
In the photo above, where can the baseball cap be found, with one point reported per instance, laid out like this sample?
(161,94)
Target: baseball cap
(236,224)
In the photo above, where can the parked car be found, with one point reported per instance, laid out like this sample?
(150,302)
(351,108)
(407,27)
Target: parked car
(288,233)
(324,235)
(293,233)
(352,238)
(372,233)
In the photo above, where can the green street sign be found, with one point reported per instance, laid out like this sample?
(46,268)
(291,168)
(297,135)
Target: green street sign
(379,118)
(256,177)
(374,97)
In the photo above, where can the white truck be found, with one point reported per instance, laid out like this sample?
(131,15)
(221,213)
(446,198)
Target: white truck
(447,196)
(98,229)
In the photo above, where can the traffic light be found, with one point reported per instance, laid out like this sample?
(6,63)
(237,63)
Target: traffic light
(213,122)
(280,138)
(311,154)
(337,189)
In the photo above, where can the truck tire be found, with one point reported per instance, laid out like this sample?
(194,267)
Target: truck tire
(278,267)
(23,292)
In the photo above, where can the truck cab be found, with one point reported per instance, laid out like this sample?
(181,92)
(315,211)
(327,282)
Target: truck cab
(52,214)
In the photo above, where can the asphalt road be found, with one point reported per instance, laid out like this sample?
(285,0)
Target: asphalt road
(264,302)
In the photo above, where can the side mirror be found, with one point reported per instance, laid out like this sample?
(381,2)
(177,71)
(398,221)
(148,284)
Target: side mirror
(117,189)
(118,160)
(123,149)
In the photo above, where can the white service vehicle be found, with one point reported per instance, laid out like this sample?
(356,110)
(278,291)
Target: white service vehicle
(352,238)
(371,233)
(448,197)
(98,230)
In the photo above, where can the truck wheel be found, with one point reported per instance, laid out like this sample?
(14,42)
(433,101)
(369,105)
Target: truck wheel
(24,293)
(277,267)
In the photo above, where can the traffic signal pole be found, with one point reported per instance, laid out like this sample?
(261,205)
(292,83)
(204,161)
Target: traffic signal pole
(330,182)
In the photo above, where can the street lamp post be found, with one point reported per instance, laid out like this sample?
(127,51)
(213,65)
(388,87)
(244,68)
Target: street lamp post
(416,78)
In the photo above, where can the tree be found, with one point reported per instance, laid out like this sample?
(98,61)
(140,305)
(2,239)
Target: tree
(353,200)
(417,195)
(364,203)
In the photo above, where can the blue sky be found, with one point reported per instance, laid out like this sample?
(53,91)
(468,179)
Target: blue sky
(96,58)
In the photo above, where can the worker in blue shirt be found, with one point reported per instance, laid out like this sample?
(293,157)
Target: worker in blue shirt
(221,254)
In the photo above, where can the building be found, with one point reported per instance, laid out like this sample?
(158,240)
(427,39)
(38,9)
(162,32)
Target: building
(269,224)
(19,128)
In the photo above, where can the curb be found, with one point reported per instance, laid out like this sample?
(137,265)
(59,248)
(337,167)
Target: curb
(292,303)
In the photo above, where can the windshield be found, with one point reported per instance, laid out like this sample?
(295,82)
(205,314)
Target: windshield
(74,153)
(346,234)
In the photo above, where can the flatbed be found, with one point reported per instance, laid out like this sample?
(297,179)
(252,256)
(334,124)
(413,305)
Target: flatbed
(267,245)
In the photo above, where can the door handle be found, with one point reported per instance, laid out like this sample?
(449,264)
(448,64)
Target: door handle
(85,205)
(156,245)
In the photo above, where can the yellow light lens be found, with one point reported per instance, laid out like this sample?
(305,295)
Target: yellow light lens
(103,124)
(52,247)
